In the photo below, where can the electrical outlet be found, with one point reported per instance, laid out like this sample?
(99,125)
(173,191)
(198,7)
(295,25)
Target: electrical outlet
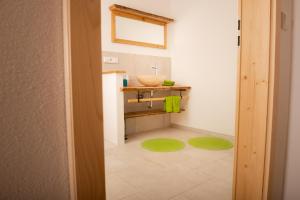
(110,60)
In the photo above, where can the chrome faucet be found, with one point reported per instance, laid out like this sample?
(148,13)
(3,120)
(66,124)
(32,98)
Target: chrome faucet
(156,69)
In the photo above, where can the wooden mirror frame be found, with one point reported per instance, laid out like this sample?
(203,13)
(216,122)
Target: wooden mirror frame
(122,11)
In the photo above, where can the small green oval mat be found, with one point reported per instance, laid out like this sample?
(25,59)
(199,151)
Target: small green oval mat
(163,145)
(211,143)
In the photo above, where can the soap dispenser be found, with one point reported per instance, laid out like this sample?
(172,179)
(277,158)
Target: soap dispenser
(125,80)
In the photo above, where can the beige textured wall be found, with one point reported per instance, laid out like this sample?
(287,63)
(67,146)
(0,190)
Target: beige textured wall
(33,143)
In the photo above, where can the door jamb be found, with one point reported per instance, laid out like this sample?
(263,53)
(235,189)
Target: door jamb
(69,97)
(84,139)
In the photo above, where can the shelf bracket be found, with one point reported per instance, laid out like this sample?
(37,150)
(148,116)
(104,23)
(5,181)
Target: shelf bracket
(140,96)
(151,102)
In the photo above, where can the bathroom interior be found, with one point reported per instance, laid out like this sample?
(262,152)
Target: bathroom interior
(169,74)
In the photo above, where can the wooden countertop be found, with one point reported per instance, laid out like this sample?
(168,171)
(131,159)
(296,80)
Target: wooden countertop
(113,72)
(139,88)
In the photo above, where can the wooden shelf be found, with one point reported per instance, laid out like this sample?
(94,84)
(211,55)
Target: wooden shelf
(145,113)
(159,88)
(134,12)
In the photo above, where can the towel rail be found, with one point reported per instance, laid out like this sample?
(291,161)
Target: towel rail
(151,99)
(145,100)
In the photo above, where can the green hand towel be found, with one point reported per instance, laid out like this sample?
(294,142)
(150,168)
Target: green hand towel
(168,104)
(176,101)
(172,104)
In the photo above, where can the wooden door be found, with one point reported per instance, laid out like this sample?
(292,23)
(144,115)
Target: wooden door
(256,82)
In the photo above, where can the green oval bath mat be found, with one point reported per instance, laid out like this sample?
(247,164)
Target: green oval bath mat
(211,143)
(163,145)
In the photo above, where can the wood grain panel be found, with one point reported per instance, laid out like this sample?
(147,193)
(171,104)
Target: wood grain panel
(253,99)
(87,101)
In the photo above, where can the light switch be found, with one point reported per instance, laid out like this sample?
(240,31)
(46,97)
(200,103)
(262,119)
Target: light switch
(110,60)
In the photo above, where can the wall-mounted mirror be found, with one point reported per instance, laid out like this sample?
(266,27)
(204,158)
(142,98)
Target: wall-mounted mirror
(134,27)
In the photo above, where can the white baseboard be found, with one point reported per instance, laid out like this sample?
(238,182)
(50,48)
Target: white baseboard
(201,131)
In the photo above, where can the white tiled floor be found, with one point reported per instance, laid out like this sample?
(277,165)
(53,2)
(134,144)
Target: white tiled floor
(133,173)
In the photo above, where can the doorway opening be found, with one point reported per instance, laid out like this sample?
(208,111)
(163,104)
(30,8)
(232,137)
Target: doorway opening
(258,93)
(155,149)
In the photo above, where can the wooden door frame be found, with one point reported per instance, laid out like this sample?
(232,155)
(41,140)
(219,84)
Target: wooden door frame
(272,15)
(83,96)
(86,156)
